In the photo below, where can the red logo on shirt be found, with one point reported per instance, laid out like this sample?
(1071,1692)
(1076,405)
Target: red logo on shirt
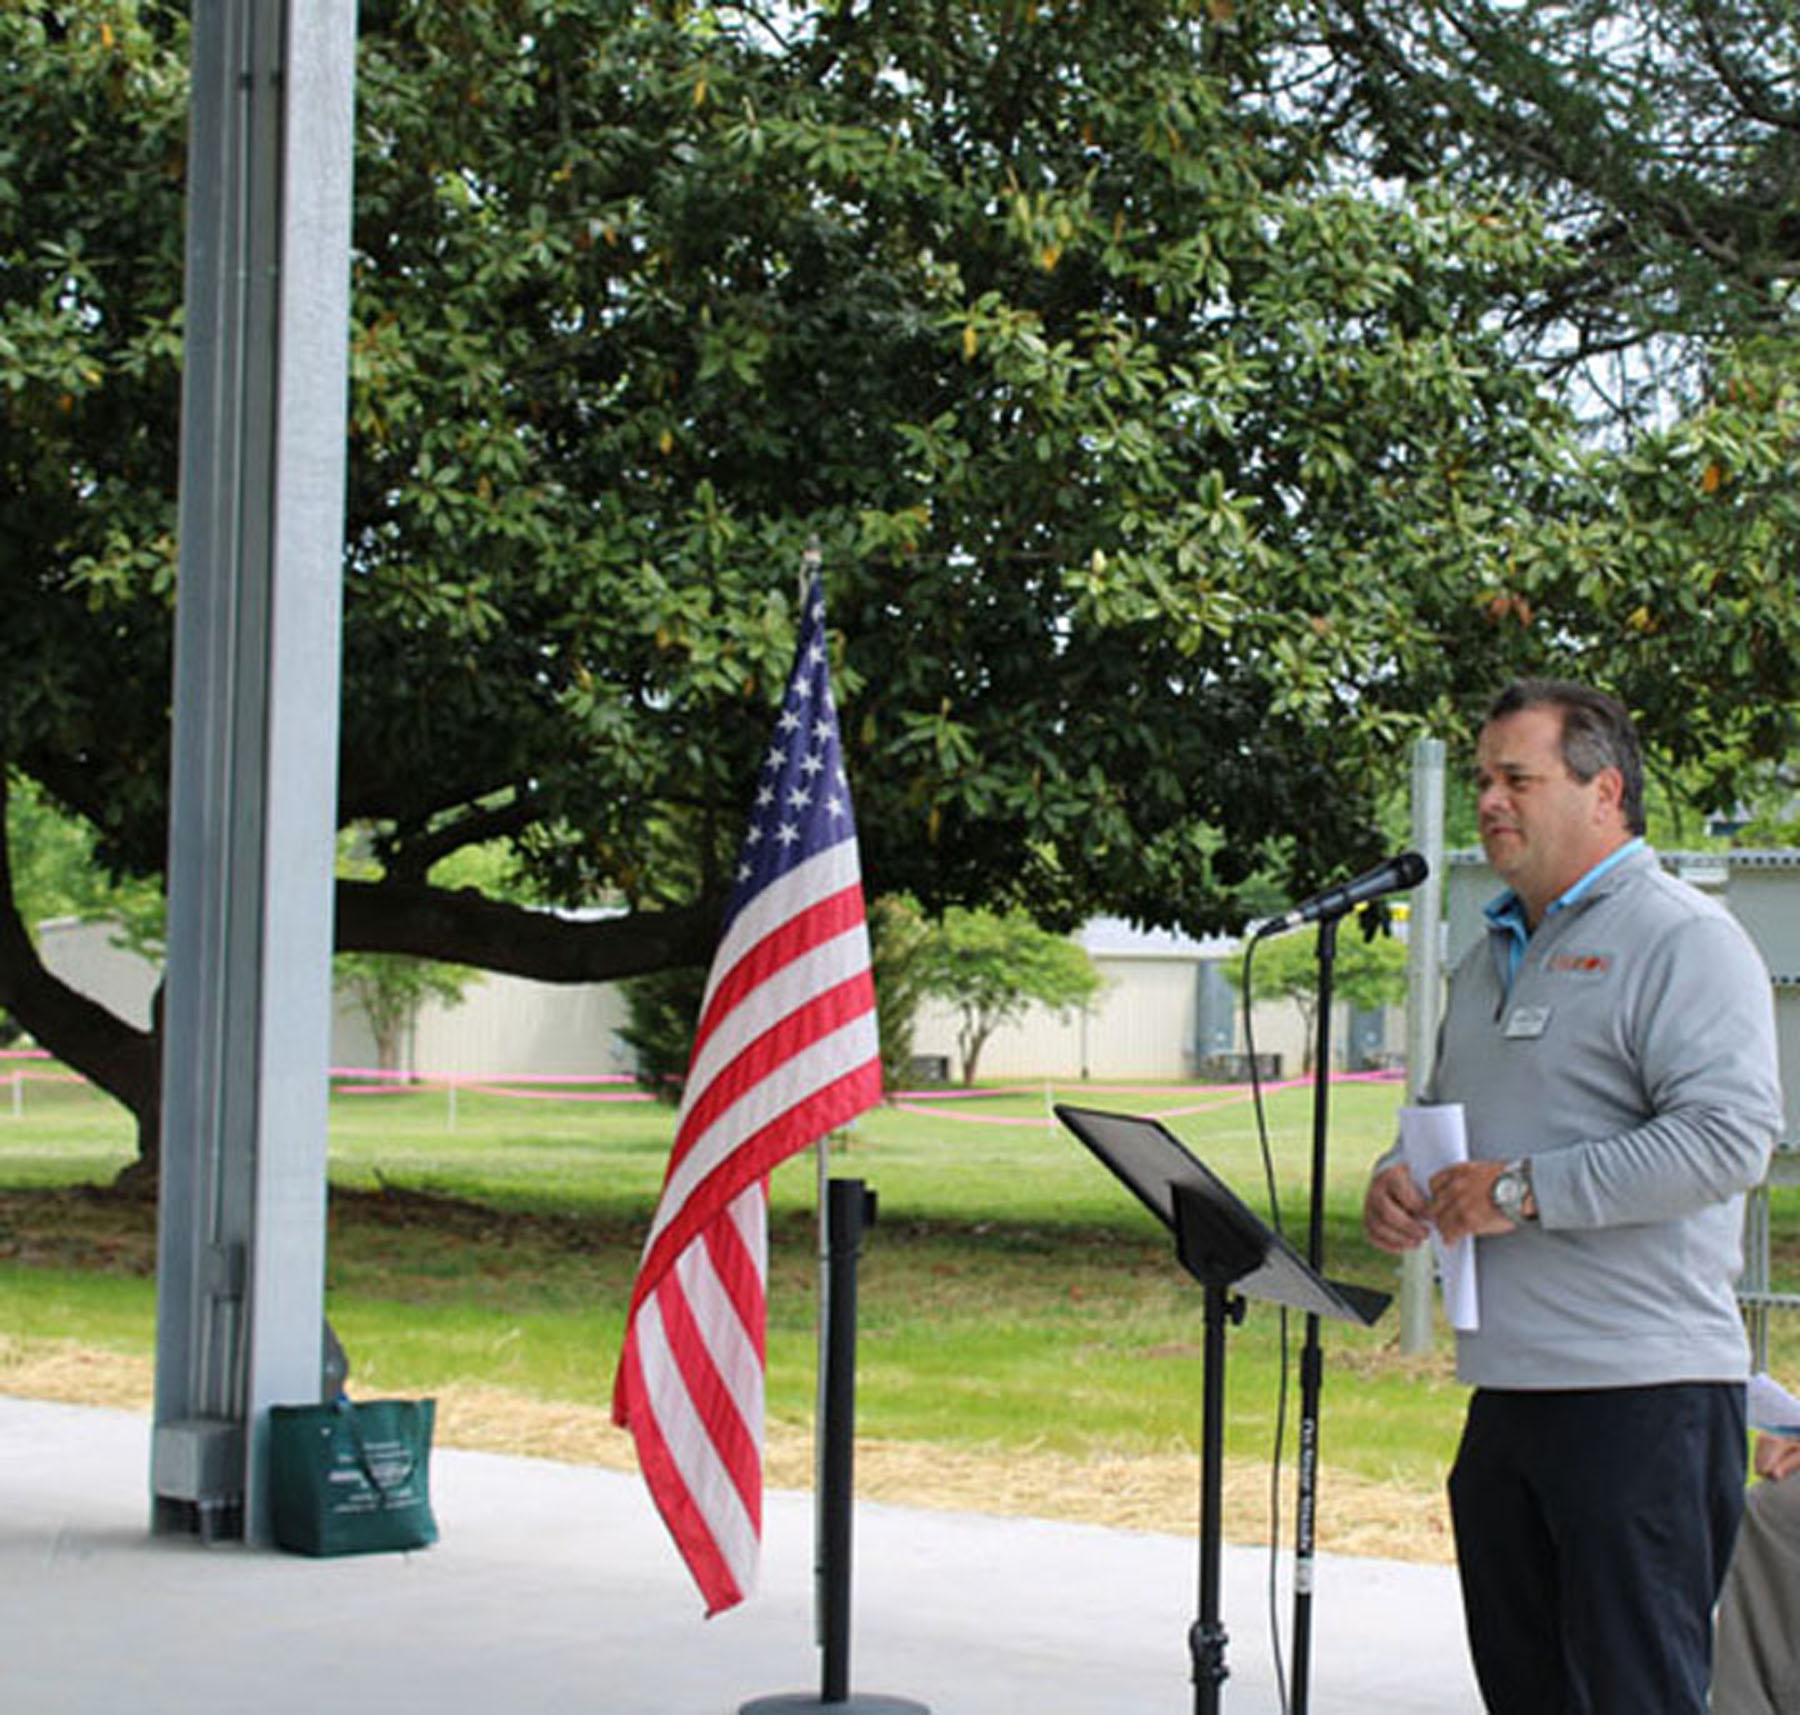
(1582,964)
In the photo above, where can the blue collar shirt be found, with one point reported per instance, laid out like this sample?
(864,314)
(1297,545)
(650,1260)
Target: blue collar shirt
(1506,914)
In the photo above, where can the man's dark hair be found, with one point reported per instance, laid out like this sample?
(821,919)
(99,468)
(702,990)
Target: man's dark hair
(1596,733)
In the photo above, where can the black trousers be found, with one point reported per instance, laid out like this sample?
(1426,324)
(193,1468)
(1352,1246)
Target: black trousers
(1593,1529)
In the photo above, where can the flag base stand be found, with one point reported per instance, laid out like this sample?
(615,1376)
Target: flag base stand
(849,1208)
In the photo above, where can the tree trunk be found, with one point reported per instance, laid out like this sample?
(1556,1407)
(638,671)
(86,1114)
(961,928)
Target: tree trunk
(1309,1025)
(971,1041)
(139,1177)
(121,1059)
(460,928)
(467,928)
(387,1033)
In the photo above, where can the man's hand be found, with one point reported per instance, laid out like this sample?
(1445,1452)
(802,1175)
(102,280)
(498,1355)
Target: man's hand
(1462,1201)
(1777,1456)
(1394,1210)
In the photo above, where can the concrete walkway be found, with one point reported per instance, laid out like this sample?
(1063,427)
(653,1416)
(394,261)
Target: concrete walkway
(554,1588)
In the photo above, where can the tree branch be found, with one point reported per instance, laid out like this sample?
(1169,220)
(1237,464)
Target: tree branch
(467,928)
(409,857)
(1751,93)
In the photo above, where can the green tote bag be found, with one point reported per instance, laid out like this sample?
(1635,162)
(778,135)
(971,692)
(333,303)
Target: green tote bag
(352,1478)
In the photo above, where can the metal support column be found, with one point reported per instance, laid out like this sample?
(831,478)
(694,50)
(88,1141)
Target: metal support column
(247,1018)
(1424,1003)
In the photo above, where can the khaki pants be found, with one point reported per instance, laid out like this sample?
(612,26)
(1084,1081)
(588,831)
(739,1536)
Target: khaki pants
(1756,1654)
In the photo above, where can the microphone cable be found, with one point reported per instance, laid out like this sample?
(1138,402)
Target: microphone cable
(1283,1341)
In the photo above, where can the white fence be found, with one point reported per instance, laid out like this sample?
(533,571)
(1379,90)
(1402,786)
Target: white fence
(1146,1024)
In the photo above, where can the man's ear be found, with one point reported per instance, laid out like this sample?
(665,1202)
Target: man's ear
(1610,800)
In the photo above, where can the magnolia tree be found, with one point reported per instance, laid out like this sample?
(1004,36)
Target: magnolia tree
(1658,138)
(1166,477)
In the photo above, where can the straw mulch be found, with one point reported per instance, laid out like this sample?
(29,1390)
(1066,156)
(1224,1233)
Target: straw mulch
(1154,1492)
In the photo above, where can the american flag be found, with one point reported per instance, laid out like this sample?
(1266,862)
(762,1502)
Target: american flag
(785,1050)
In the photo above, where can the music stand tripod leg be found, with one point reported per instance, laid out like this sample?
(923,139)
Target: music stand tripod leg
(1218,1252)
(1207,1636)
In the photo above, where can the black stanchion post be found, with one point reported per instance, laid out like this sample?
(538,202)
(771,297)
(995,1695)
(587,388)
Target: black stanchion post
(849,1209)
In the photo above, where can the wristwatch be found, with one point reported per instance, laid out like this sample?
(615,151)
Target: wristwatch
(1510,1191)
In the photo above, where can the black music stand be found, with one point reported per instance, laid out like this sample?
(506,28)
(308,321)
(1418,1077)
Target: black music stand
(1222,1243)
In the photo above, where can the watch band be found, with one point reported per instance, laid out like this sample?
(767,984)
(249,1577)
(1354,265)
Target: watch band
(1511,1191)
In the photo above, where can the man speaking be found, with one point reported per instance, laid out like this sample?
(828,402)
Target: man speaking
(1612,1044)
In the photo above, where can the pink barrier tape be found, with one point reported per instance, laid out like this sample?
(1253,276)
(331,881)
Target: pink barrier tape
(1230,1095)
(561,1095)
(552,1086)
(987,1091)
(381,1081)
(577,1087)
(1037,1086)
(1039,1120)
(387,1074)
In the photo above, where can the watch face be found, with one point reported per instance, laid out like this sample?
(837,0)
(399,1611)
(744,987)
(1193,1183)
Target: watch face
(1509,1194)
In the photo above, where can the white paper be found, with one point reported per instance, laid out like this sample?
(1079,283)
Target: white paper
(1772,1409)
(1431,1139)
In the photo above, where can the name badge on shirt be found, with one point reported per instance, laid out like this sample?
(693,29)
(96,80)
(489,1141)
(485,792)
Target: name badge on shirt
(1527,1023)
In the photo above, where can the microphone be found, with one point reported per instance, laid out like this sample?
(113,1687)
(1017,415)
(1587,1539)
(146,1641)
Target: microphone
(1394,876)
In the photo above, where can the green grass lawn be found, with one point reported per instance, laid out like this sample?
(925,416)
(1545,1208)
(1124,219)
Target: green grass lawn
(1013,1295)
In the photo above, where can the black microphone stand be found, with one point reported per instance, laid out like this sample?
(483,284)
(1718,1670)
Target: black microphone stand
(1312,1361)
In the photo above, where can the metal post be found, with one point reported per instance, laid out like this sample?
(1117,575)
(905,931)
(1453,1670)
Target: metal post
(849,1211)
(1424,1003)
(240,1261)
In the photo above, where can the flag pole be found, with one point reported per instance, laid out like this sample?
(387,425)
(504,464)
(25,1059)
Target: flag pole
(810,562)
(820,1382)
(845,1208)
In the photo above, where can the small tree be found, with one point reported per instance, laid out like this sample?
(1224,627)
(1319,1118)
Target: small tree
(993,968)
(390,988)
(1368,971)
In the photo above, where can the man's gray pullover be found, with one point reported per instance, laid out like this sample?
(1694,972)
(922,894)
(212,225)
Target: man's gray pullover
(1633,1061)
